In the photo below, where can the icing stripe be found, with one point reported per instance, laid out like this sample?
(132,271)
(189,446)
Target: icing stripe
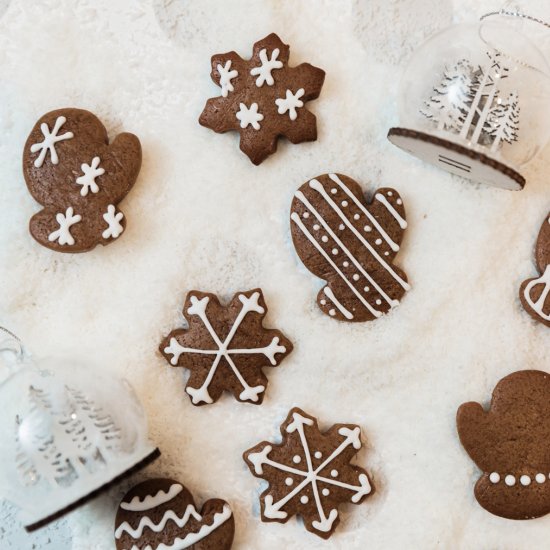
(192,538)
(296,219)
(330,295)
(314,184)
(299,195)
(386,237)
(152,501)
(145,521)
(538,306)
(398,218)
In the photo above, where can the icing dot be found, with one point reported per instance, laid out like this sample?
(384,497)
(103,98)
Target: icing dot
(540,478)
(324,238)
(323,302)
(390,193)
(525,480)
(306,214)
(494,477)
(356,277)
(318,454)
(341,227)
(334,473)
(332,312)
(346,264)
(510,480)
(378,302)
(386,253)
(367,228)
(356,216)
(316,227)
(304,499)
(344,203)
(366,288)
(333,190)
(289,481)
(378,241)
(399,202)
(335,251)
(325,492)
(296,459)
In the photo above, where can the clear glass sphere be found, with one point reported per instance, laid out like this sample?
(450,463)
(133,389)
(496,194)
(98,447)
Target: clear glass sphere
(67,430)
(475,100)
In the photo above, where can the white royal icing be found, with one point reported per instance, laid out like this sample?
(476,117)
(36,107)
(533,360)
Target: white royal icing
(311,476)
(264,71)
(510,479)
(249,116)
(65,221)
(91,172)
(50,139)
(330,295)
(538,305)
(113,219)
(226,76)
(398,218)
(198,307)
(290,103)
(152,501)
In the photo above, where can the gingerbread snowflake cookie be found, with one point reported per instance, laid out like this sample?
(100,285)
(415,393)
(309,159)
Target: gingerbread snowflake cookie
(225,347)
(263,98)
(535,293)
(351,245)
(79,178)
(309,473)
(510,443)
(160,514)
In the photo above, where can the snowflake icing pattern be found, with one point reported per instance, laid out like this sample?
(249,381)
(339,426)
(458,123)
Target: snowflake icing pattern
(50,139)
(225,347)
(265,80)
(309,473)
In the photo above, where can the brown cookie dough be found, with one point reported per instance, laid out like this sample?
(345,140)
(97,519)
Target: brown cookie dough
(79,179)
(225,347)
(160,513)
(351,245)
(535,293)
(510,443)
(309,473)
(263,98)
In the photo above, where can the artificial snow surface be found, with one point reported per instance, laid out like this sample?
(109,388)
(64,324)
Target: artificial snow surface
(201,216)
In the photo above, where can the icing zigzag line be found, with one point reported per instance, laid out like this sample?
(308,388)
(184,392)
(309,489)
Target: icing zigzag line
(152,501)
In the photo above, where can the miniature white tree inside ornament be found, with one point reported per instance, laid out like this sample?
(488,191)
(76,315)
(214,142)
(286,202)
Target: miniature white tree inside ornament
(475,100)
(67,432)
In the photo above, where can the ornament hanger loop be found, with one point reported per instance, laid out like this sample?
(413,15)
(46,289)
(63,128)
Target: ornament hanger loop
(510,13)
(10,343)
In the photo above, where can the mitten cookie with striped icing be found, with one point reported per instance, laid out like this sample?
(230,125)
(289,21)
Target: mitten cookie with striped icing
(535,293)
(351,245)
(160,514)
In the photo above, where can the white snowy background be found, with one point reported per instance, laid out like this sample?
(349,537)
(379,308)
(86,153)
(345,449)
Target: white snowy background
(201,216)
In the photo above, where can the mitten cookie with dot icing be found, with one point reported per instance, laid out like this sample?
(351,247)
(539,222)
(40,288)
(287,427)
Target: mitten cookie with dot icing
(351,245)
(263,98)
(535,293)
(79,178)
(510,444)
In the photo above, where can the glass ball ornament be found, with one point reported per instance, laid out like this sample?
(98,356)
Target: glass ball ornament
(67,432)
(475,100)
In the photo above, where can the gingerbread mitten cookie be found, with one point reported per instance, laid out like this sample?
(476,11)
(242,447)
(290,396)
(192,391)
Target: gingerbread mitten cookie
(351,245)
(510,443)
(535,293)
(79,178)
(309,473)
(159,514)
(263,98)
(225,347)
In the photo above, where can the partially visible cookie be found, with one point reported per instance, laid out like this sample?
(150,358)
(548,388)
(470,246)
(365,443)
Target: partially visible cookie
(79,178)
(350,244)
(309,473)
(225,347)
(160,514)
(263,98)
(535,293)
(510,444)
